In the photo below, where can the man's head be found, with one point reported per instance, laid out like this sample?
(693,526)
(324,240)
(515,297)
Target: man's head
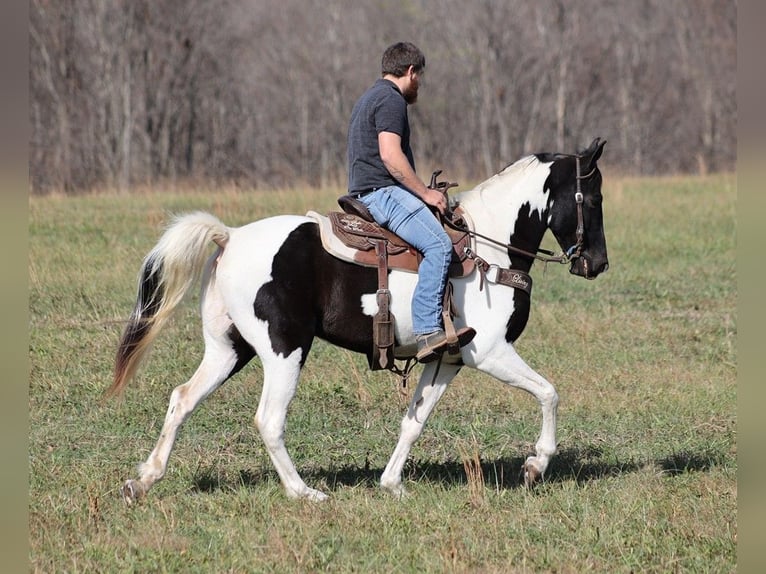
(405,62)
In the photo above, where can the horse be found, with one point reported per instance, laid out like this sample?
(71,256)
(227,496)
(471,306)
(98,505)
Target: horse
(269,288)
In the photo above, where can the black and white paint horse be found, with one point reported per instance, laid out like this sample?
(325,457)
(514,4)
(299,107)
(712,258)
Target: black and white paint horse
(270,289)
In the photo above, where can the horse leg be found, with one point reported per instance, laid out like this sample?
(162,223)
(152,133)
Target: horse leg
(514,371)
(215,368)
(225,354)
(280,381)
(427,394)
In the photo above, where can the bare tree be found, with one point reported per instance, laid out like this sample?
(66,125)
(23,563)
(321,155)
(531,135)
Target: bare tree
(259,91)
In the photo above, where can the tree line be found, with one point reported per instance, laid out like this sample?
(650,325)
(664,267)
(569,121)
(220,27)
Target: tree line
(259,92)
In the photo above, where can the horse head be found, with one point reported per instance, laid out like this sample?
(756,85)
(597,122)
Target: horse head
(575,215)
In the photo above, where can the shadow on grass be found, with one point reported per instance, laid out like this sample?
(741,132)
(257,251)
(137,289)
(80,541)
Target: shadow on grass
(685,461)
(581,465)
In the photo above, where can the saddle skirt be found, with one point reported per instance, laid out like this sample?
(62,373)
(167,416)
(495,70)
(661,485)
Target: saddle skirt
(353,239)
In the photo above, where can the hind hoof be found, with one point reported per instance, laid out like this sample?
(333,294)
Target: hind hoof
(132,491)
(316,495)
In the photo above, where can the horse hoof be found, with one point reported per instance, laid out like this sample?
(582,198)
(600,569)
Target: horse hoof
(395,490)
(132,491)
(531,473)
(316,495)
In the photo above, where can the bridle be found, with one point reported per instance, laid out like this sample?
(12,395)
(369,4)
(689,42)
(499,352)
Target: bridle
(575,251)
(568,256)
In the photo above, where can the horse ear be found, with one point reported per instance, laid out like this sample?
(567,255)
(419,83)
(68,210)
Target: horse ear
(594,151)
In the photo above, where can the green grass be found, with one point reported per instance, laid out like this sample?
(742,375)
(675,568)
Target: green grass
(644,359)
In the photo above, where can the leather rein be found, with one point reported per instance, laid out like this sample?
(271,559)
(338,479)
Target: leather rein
(542,254)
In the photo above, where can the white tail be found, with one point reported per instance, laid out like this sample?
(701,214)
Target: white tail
(167,274)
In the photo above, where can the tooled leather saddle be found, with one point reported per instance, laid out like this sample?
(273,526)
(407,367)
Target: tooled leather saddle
(361,236)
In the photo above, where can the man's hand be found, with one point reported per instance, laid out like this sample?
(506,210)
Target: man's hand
(435,199)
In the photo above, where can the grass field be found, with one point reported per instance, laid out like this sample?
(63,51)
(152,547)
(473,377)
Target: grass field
(644,359)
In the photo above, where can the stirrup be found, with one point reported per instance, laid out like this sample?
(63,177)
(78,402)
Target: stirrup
(433,345)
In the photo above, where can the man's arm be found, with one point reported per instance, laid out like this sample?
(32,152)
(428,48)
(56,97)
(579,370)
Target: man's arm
(399,167)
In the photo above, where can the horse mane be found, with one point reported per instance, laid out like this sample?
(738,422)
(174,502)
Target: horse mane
(521,164)
(512,170)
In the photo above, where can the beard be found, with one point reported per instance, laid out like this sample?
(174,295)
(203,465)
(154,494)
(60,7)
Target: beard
(410,95)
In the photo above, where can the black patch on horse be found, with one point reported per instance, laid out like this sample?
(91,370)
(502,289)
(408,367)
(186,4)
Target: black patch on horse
(526,233)
(242,348)
(313,294)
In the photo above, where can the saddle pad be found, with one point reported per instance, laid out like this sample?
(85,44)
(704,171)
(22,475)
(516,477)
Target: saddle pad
(357,241)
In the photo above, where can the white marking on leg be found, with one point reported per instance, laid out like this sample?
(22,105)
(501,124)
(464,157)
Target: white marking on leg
(423,401)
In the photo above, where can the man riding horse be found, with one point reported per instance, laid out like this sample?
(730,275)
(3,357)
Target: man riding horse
(381,174)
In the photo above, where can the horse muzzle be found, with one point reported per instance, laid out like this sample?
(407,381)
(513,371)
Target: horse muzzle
(588,267)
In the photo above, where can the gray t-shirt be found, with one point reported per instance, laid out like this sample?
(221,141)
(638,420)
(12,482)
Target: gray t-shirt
(382,108)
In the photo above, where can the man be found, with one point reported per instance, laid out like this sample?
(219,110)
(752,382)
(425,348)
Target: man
(381,174)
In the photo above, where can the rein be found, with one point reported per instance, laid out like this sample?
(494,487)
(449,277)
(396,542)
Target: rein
(547,256)
(542,254)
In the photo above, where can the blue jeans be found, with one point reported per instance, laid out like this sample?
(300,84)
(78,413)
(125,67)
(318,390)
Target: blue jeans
(409,217)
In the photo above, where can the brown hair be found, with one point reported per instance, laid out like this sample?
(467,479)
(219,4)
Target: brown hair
(400,56)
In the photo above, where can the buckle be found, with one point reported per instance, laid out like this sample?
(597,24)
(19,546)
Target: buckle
(492,273)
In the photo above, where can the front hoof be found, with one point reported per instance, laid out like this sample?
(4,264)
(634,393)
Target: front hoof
(132,491)
(531,473)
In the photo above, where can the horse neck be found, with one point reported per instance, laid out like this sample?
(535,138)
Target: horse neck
(511,207)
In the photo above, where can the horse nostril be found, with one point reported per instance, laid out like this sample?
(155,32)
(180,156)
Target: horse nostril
(596,266)
(588,267)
